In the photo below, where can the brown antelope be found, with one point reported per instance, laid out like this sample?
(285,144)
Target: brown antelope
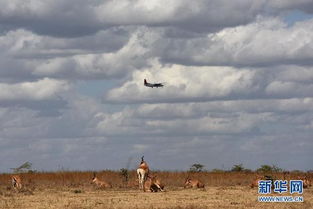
(255,182)
(193,183)
(100,183)
(286,176)
(142,172)
(154,184)
(306,181)
(16,182)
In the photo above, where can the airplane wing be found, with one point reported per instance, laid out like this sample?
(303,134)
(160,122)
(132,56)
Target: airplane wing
(158,84)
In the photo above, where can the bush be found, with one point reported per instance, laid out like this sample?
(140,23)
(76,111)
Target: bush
(124,173)
(237,168)
(268,169)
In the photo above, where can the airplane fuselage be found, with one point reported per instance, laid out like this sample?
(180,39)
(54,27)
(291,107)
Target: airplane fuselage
(152,85)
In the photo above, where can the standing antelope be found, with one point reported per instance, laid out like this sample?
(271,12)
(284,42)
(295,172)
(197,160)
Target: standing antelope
(193,183)
(100,183)
(154,184)
(142,172)
(16,182)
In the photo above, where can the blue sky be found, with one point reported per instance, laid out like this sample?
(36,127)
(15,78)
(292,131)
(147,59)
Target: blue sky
(296,16)
(238,78)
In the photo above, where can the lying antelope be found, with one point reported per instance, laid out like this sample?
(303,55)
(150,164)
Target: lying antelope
(193,183)
(154,184)
(100,183)
(16,182)
(255,182)
(142,172)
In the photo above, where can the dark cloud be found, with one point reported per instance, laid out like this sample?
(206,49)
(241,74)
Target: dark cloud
(80,18)
(45,108)
(304,5)
(55,18)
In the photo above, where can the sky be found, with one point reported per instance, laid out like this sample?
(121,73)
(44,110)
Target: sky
(238,84)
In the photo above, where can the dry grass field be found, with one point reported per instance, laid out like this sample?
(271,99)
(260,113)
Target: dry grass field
(74,190)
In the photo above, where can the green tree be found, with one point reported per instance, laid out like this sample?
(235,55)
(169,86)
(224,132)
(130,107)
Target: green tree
(237,168)
(268,168)
(265,169)
(124,173)
(197,167)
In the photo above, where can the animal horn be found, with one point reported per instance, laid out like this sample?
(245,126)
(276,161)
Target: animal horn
(94,174)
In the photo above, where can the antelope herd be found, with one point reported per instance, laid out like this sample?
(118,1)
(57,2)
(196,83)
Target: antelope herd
(148,182)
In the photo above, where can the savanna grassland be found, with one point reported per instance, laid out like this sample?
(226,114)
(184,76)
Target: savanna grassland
(74,190)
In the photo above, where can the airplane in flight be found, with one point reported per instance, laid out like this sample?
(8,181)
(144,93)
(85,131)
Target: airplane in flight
(157,85)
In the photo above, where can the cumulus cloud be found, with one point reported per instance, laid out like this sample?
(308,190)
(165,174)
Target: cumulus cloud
(57,18)
(39,90)
(22,43)
(78,18)
(186,84)
(131,56)
(209,118)
(76,119)
(238,81)
(127,123)
(247,126)
(177,111)
(266,42)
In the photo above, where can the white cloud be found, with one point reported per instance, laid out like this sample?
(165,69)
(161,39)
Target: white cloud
(190,84)
(22,43)
(238,81)
(38,90)
(27,56)
(195,110)
(266,42)
(197,83)
(131,56)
